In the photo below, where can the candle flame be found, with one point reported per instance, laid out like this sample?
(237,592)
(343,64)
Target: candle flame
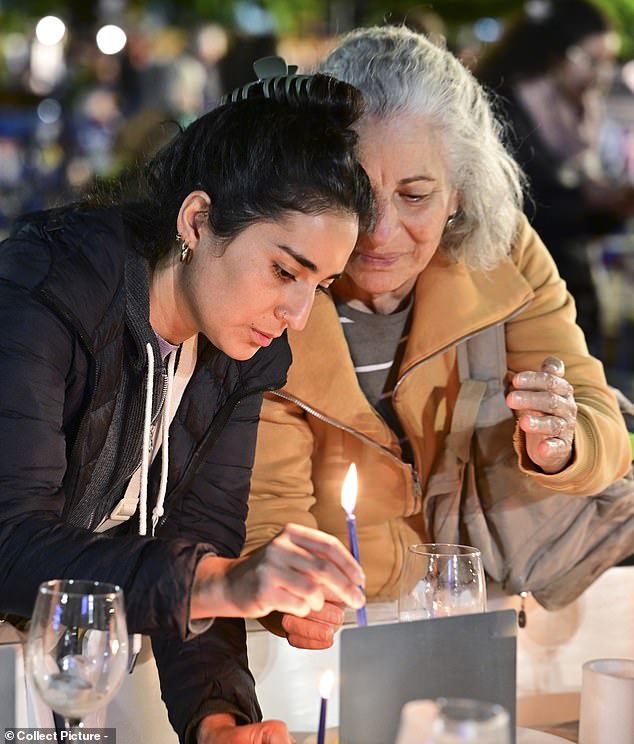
(326,683)
(349,489)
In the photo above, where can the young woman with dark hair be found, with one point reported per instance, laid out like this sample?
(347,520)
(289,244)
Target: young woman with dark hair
(160,306)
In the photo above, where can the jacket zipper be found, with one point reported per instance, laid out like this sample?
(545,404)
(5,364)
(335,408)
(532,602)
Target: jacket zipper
(461,340)
(126,476)
(416,488)
(416,485)
(155,417)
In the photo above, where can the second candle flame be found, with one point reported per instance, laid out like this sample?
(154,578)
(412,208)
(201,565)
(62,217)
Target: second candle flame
(349,490)
(326,683)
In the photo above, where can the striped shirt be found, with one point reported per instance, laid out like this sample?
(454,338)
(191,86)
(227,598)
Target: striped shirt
(376,344)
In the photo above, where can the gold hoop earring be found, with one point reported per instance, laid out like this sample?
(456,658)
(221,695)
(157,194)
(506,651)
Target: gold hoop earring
(185,250)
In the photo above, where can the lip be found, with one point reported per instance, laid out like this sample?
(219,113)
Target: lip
(262,339)
(378,260)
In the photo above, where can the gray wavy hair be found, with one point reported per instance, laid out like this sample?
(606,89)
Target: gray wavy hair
(401,72)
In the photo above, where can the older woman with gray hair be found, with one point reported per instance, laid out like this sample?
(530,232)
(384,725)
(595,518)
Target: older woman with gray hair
(375,374)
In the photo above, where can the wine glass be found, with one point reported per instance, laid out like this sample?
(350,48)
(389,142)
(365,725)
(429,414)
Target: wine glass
(77,648)
(441,579)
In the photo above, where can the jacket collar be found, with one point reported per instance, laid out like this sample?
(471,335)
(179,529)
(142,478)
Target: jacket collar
(452,303)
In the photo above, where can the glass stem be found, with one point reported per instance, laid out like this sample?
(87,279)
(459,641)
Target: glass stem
(73,723)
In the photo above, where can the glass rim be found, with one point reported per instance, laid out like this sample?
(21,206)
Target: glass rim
(80,587)
(490,713)
(444,549)
(611,666)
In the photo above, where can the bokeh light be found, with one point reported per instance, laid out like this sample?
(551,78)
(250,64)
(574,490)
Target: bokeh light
(111,39)
(49,111)
(50,30)
(487,29)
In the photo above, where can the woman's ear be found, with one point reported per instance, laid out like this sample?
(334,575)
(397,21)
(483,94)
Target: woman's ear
(193,216)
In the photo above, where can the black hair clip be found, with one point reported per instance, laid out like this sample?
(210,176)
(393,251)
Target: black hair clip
(274,76)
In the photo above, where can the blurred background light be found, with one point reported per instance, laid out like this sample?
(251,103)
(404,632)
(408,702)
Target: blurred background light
(49,111)
(47,67)
(253,19)
(627,74)
(16,52)
(487,29)
(50,30)
(111,39)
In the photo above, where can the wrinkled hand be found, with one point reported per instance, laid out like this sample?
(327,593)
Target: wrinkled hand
(317,630)
(547,412)
(293,573)
(221,729)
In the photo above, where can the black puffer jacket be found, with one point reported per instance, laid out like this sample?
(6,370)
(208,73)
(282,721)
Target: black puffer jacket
(74,312)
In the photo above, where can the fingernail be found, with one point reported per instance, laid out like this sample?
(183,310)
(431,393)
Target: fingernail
(522,378)
(554,364)
(555,443)
(531,422)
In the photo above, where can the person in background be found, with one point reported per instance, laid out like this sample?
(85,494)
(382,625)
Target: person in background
(374,379)
(159,306)
(552,101)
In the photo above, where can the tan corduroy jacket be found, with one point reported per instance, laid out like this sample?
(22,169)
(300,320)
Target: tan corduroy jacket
(321,421)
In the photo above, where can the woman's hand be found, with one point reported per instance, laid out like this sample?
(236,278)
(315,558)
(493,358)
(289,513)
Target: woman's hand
(221,728)
(545,404)
(317,630)
(294,573)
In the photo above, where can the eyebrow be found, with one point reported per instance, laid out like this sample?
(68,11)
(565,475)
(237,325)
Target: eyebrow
(303,261)
(411,179)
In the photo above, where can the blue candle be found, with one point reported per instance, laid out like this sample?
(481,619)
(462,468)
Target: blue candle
(325,688)
(348,501)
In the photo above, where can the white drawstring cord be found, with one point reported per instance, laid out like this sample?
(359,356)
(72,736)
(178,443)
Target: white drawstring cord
(136,639)
(145,453)
(157,512)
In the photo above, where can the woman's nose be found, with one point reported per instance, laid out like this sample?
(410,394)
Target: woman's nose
(387,224)
(296,309)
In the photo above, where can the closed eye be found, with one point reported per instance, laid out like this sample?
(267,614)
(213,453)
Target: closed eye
(282,274)
(414,198)
(286,276)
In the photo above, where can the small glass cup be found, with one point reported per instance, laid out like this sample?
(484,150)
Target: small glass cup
(441,579)
(462,721)
(453,721)
(607,694)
